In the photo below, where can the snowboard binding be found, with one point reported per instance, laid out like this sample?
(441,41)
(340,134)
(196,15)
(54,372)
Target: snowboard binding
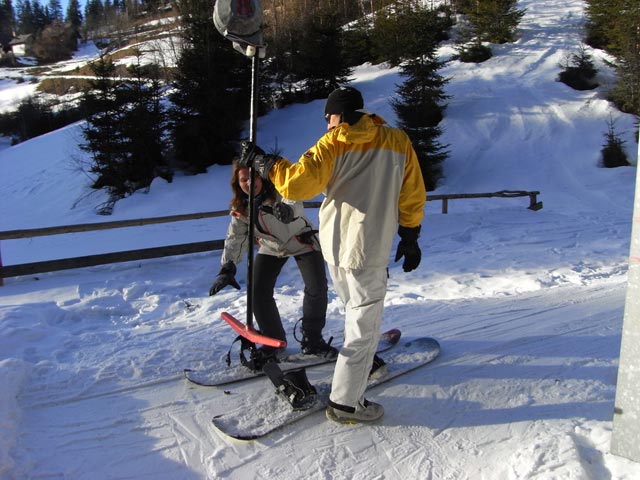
(257,358)
(293,386)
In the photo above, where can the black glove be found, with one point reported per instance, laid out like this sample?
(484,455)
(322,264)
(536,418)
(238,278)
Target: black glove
(409,248)
(225,277)
(307,237)
(254,155)
(283,212)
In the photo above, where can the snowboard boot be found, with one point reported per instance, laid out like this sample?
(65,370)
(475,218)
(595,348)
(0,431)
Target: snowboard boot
(363,413)
(315,345)
(293,386)
(378,368)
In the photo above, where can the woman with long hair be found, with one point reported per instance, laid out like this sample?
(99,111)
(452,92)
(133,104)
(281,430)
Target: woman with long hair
(281,230)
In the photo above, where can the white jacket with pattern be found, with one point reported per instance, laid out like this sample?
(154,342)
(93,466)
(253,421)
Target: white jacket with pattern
(273,237)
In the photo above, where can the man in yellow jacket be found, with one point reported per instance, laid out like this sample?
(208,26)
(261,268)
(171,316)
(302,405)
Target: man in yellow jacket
(371,179)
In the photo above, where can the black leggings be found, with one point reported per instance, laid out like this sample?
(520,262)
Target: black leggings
(266,269)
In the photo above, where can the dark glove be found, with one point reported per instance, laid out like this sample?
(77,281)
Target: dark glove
(307,237)
(283,212)
(254,155)
(409,248)
(225,277)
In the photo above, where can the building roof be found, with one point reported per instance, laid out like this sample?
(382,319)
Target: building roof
(20,39)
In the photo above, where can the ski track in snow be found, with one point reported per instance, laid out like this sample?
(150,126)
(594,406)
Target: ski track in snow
(492,348)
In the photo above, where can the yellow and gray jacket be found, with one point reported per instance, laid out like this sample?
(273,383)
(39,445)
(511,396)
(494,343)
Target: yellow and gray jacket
(371,179)
(273,237)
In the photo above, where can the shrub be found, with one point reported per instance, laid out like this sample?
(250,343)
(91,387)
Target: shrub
(476,53)
(613,154)
(578,71)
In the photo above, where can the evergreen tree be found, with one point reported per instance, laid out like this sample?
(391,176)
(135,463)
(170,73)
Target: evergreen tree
(626,93)
(126,136)
(408,30)
(358,44)
(420,104)
(74,15)
(54,10)
(102,132)
(211,96)
(74,20)
(420,109)
(25,17)
(40,16)
(93,15)
(495,21)
(615,26)
(143,125)
(579,71)
(603,18)
(321,64)
(613,154)
(7,22)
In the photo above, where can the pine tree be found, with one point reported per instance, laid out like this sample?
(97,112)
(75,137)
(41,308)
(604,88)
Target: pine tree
(25,19)
(495,21)
(93,15)
(143,126)
(40,16)
(579,71)
(613,154)
(321,64)
(126,135)
(408,30)
(54,10)
(420,105)
(615,26)
(74,15)
(102,132)
(420,109)
(603,17)
(7,22)
(211,96)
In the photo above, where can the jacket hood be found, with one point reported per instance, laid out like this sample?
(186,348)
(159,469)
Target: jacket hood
(363,131)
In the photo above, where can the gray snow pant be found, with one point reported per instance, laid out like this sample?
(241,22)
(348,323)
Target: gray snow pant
(266,269)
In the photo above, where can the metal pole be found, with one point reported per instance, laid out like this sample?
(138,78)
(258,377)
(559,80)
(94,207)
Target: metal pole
(625,438)
(253,125)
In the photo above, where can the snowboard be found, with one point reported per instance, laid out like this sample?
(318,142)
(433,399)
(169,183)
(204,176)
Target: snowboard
(238,373)
(258,414)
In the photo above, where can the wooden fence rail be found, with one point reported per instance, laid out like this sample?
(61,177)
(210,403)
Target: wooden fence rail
(195,247)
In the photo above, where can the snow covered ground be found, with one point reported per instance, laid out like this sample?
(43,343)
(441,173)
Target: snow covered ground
(528,306)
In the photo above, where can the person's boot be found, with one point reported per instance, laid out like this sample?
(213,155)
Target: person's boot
(363,413)
(378,368)
(316,345)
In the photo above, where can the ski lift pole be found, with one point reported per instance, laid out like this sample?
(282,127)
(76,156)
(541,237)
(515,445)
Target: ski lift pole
(253,125)
(241,22)
(626,412)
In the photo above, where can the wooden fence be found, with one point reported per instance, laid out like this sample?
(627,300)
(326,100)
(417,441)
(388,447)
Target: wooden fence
(146,253)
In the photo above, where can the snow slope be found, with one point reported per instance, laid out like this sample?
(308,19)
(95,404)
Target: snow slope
(528,306)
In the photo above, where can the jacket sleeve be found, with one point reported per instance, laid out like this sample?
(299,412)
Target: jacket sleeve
(413,194)
(309,176)
(235,243)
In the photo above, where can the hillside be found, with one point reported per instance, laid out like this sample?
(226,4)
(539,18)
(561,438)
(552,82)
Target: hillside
(528,306)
